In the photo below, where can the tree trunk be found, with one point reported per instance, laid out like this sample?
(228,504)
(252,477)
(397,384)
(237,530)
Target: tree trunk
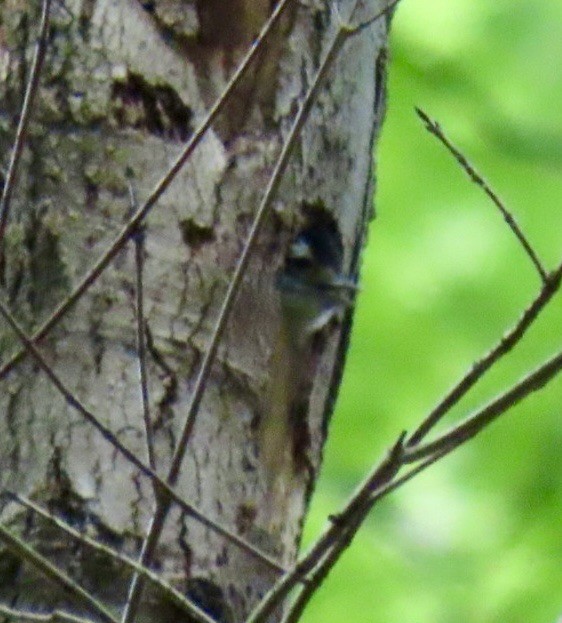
(125,84)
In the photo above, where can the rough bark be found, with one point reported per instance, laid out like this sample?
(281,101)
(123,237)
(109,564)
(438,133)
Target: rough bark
(125,83)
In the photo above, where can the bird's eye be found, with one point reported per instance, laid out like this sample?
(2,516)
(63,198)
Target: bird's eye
(300,250)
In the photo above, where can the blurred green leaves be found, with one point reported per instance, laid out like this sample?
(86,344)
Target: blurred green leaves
(478,538)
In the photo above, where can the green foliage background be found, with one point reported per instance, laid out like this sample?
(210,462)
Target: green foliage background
(477,538)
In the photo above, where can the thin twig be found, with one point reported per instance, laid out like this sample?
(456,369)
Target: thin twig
(327,551)
(162,504)
(506,343)
(24,551)
(57,616)
(162,488)
(234,284)
(434,128)
(132,225)
(328,548)
(138,240)
(475,423)
(70,398)
(369,22)
(29,98)
(168,591)
(326,564)
(384,480)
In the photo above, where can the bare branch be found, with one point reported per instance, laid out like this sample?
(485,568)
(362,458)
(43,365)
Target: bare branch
(380,475)
(25,115)
(434,128)
(327,550)
(21,549)
(132,225)
(475,423)
(506,343)
(238,275)
(384,479)
(138,240)
(162,488)
(70,398)
(57,616)
(369,22)
(169,591)
(346,536)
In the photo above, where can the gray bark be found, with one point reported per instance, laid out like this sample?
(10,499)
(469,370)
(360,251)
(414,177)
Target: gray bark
(124,86)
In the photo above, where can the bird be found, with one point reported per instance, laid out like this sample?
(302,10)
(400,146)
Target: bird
(313,292)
